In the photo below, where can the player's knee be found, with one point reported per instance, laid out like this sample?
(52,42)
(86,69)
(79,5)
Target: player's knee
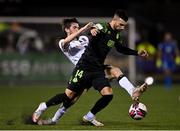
(116,72)
(106,91)
(70,93)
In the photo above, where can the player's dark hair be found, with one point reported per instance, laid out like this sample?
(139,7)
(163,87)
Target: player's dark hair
(66,23)
(122,14)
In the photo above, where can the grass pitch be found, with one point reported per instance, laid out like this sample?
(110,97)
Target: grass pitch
(17,104)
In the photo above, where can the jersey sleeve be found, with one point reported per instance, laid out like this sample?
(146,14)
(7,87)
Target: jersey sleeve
(102,27)
(99,26)
(125,50)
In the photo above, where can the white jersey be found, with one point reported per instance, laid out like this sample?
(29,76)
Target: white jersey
(75,48)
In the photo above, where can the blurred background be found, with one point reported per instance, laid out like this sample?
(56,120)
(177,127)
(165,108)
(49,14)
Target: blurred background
(30,31)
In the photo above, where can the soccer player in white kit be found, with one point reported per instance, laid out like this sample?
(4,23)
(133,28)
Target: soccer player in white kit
(73,46)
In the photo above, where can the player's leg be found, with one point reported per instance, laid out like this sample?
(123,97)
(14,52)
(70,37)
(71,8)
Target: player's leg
(123,81)
(107,95)
(44,105)
(54,101)
(167,78)
(65,98)
(60,112)
(103,86)
(72,93)
(168,68)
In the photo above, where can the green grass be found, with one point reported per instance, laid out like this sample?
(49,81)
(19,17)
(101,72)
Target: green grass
(18,103)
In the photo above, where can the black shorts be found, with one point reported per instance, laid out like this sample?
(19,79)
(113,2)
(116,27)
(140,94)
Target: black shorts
(82,79)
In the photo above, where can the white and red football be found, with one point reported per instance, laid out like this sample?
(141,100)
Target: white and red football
(137,111)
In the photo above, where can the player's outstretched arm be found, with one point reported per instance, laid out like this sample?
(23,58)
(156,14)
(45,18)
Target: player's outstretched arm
(125,50)
(74,35)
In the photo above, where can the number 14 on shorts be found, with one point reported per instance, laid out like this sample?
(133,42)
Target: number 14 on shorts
(78,75)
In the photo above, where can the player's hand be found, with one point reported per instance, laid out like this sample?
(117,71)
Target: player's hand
(94,31)
(143,53)
(89,25)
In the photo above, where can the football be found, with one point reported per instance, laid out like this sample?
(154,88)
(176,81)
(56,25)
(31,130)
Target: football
(137,111)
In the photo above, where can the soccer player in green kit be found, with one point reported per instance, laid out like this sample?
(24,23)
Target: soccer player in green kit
(89,70)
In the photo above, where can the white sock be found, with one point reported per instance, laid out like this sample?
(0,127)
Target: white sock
(42,106)
(89,115)
(59,113)
(127,85)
